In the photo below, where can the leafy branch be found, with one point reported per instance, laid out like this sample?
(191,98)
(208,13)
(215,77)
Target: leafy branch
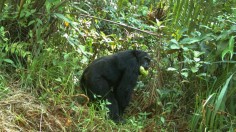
(116,23)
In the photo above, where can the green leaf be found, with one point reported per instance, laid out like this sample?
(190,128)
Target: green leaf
(58,80)
(162,119)
(39,21)
(229,49)
(171,69)
(197,53)
(233,28)
(221,100)
(31,22)
(231,44)
(8,61)
(208,99)
(185,74)
(194,69)
(223,35)
(189,40)
(66,56)
(174,41)
(174,46)
(80,9)
(62,17)
(222,95)
(196,59)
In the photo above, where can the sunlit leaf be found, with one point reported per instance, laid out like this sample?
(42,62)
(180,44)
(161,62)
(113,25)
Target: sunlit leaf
(197,53)
(58,80)
(162,119)
(194,69)
(196,59)
(171,69)
(174,41)
(185,74)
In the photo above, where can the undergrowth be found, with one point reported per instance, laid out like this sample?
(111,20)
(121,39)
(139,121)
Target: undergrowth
(45,46)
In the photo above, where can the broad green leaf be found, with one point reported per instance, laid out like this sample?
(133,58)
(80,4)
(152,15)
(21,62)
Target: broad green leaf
(174,46)
(174,41)
(194,69)
(189,40)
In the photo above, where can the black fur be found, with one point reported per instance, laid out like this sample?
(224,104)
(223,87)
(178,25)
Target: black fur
(114,78)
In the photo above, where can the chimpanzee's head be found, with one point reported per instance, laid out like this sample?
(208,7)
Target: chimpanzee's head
(143,58)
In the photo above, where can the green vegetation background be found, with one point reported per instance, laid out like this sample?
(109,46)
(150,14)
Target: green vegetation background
(45,45)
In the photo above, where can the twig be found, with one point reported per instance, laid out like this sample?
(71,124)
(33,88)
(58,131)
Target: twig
(41,118)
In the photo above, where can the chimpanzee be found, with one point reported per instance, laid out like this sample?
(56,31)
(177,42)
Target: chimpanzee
(113,78)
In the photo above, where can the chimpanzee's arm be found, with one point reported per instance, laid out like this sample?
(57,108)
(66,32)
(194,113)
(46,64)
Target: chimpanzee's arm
(125,88)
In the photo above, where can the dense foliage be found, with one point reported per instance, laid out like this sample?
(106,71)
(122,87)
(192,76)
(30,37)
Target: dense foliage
(45,45)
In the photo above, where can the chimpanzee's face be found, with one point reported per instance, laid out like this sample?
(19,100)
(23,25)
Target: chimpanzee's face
(145,62)
(143,59)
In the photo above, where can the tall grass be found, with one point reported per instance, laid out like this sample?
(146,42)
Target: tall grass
(211,112)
